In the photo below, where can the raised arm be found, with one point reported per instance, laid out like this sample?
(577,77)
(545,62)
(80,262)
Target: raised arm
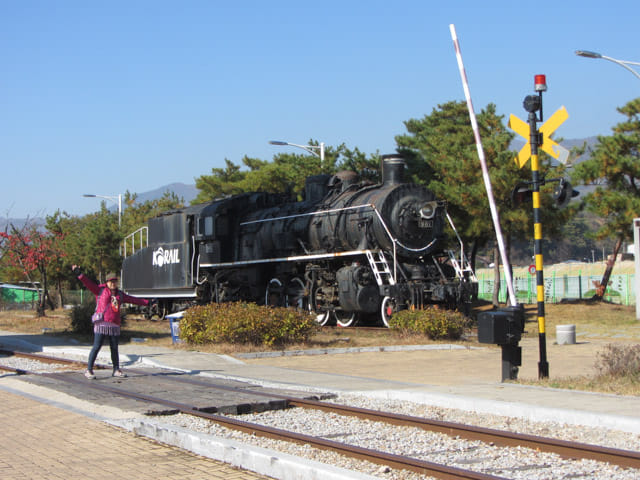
(90,284)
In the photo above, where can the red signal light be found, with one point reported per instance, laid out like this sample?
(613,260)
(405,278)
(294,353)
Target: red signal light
(540,82)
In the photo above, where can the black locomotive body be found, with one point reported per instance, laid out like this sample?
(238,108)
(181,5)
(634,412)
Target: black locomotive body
(349,249)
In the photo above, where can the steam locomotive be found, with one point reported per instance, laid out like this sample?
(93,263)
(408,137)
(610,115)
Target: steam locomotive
(351,249)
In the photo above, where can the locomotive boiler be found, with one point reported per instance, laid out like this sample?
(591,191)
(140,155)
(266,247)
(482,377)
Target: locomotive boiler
(350,249)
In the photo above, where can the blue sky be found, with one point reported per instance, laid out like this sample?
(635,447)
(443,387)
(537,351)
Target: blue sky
(105,97)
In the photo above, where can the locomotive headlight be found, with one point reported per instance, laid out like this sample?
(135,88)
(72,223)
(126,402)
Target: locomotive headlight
(428,210)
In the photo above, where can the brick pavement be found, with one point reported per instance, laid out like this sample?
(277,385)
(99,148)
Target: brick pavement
(41,441)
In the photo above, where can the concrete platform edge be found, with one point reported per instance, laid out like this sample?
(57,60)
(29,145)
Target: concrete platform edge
(511,409)
(334,351)
(260,460)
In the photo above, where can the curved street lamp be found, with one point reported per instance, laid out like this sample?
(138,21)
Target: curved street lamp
(308,148)
(116,199)
(622,63)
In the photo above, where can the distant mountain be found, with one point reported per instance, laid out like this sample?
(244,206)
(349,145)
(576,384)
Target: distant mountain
(182,190)
(591,142)
(20,222)
(577,142)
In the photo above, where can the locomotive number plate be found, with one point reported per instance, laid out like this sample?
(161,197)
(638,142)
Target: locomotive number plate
(424,223)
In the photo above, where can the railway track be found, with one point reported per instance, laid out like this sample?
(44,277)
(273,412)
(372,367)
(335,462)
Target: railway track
(41,358)
(572,450)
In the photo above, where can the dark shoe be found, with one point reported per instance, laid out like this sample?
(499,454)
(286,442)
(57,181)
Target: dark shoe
(89,375)
(119,373)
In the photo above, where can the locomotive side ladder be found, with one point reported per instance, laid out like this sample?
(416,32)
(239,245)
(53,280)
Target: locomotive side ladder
(380,267)
(460,270)
(466,266)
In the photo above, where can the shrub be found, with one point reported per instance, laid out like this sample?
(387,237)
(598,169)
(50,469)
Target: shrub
(435,323)
(81,318)
(246,323)
(619,360)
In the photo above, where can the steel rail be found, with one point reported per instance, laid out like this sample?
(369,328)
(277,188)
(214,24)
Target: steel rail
(564,448)
(45,358)
(17,371)
(36,356)
(381,458)
(32,356)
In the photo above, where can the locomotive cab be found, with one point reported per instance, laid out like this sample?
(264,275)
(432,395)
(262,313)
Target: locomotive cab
(213,232)
(163,267)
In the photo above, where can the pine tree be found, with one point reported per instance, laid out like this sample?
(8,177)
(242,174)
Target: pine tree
(616,159)
(441,153)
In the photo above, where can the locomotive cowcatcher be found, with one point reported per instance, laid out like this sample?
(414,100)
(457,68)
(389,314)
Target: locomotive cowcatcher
(350,250)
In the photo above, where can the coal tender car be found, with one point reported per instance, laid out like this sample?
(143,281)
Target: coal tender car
(351,249)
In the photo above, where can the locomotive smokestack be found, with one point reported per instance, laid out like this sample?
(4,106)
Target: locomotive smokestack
(392,169)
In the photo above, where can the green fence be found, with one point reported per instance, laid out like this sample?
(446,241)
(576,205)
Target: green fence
(13,297)
(559,287)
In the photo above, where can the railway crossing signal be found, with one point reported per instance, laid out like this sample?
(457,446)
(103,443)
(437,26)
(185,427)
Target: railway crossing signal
(545,143)
(562,193)
(540,138)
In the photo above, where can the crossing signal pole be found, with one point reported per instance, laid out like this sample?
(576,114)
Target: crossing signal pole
(533,104)
(540,138)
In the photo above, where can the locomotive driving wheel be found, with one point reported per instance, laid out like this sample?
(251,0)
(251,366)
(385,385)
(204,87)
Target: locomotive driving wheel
(345,319)
(387,309)
(275,293)
(296,295)
(320,306)
(162,309)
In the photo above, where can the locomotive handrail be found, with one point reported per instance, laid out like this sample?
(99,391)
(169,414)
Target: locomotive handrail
(317,212)
(132,236)
(463,257)
(394,241)
(458,236)
(315,256)
(336,210)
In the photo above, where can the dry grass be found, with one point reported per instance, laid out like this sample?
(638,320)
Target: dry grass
(597,320)
(27,322)
(602,383)
(58,324)
(571,269)
(593,321)
(157,333)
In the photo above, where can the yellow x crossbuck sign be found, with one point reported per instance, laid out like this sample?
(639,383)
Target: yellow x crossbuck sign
(546,129)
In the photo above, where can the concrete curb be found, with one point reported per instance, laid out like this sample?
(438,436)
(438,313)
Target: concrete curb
(256,459)
(104,356)
(511,409)
(334,351)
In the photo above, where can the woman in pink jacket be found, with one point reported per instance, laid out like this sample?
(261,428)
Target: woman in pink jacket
(108,302)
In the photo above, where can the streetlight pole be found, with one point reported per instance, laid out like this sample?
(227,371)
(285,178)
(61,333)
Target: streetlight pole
(113,198)
(308,148)
(622,63)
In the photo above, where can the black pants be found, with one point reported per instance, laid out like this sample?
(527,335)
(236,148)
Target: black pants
(97,345)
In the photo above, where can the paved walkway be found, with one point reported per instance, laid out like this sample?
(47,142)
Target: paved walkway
(41,441)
